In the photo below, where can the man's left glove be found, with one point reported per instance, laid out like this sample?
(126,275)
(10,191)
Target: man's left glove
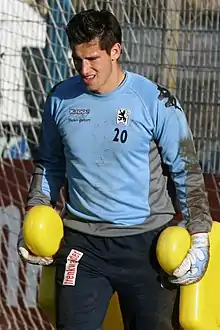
(27,256)
(194,266)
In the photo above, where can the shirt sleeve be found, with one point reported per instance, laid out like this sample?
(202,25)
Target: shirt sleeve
(49,174)
(177,149)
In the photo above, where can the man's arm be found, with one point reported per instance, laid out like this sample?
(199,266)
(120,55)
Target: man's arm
(49,174)
(177,149)
(175,141)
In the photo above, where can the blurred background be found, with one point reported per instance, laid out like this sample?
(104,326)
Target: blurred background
(173,42)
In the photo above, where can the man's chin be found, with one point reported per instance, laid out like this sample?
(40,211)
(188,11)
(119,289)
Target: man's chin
(91,88)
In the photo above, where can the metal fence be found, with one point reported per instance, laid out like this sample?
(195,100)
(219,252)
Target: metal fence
(173,42)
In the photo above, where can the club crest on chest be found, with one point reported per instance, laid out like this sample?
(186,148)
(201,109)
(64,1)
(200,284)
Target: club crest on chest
(122,117)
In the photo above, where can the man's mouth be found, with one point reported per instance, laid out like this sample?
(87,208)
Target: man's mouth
(88,79)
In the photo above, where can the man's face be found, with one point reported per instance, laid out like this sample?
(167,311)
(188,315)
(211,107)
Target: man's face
(94,65)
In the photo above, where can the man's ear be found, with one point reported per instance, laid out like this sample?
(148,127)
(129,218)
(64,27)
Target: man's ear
(116,52)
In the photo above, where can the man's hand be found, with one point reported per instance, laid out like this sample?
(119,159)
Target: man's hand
(194,266)
(26,255)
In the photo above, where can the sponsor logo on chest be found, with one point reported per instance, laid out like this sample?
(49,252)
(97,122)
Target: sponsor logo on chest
(79,115)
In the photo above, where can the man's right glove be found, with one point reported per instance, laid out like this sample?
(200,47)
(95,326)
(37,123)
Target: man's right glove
(195,264)
(27,256)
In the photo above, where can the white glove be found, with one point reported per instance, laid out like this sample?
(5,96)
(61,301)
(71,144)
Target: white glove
(26,255)
(195,264)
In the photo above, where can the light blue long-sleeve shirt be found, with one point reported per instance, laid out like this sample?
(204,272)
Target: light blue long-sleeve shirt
(110,148)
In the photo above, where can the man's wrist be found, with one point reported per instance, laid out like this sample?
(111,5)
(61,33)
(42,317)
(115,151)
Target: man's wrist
(200,240)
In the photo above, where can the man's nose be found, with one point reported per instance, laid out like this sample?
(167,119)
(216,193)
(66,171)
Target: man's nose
(85,67)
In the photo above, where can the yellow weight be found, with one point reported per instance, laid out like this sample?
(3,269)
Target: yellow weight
(199,302)
(46,294)
(43,230)
(172,247)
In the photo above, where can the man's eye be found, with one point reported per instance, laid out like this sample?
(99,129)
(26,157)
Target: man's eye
(94,59)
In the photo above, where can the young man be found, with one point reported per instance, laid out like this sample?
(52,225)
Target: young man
(108,131)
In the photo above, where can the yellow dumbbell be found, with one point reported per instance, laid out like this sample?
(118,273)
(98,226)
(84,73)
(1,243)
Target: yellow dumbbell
(42,230)
(198,302)
(172,246)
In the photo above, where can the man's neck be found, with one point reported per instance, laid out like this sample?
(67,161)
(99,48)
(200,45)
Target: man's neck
(115,81)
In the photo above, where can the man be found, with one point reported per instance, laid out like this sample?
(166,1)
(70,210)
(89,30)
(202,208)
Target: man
(108,131)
